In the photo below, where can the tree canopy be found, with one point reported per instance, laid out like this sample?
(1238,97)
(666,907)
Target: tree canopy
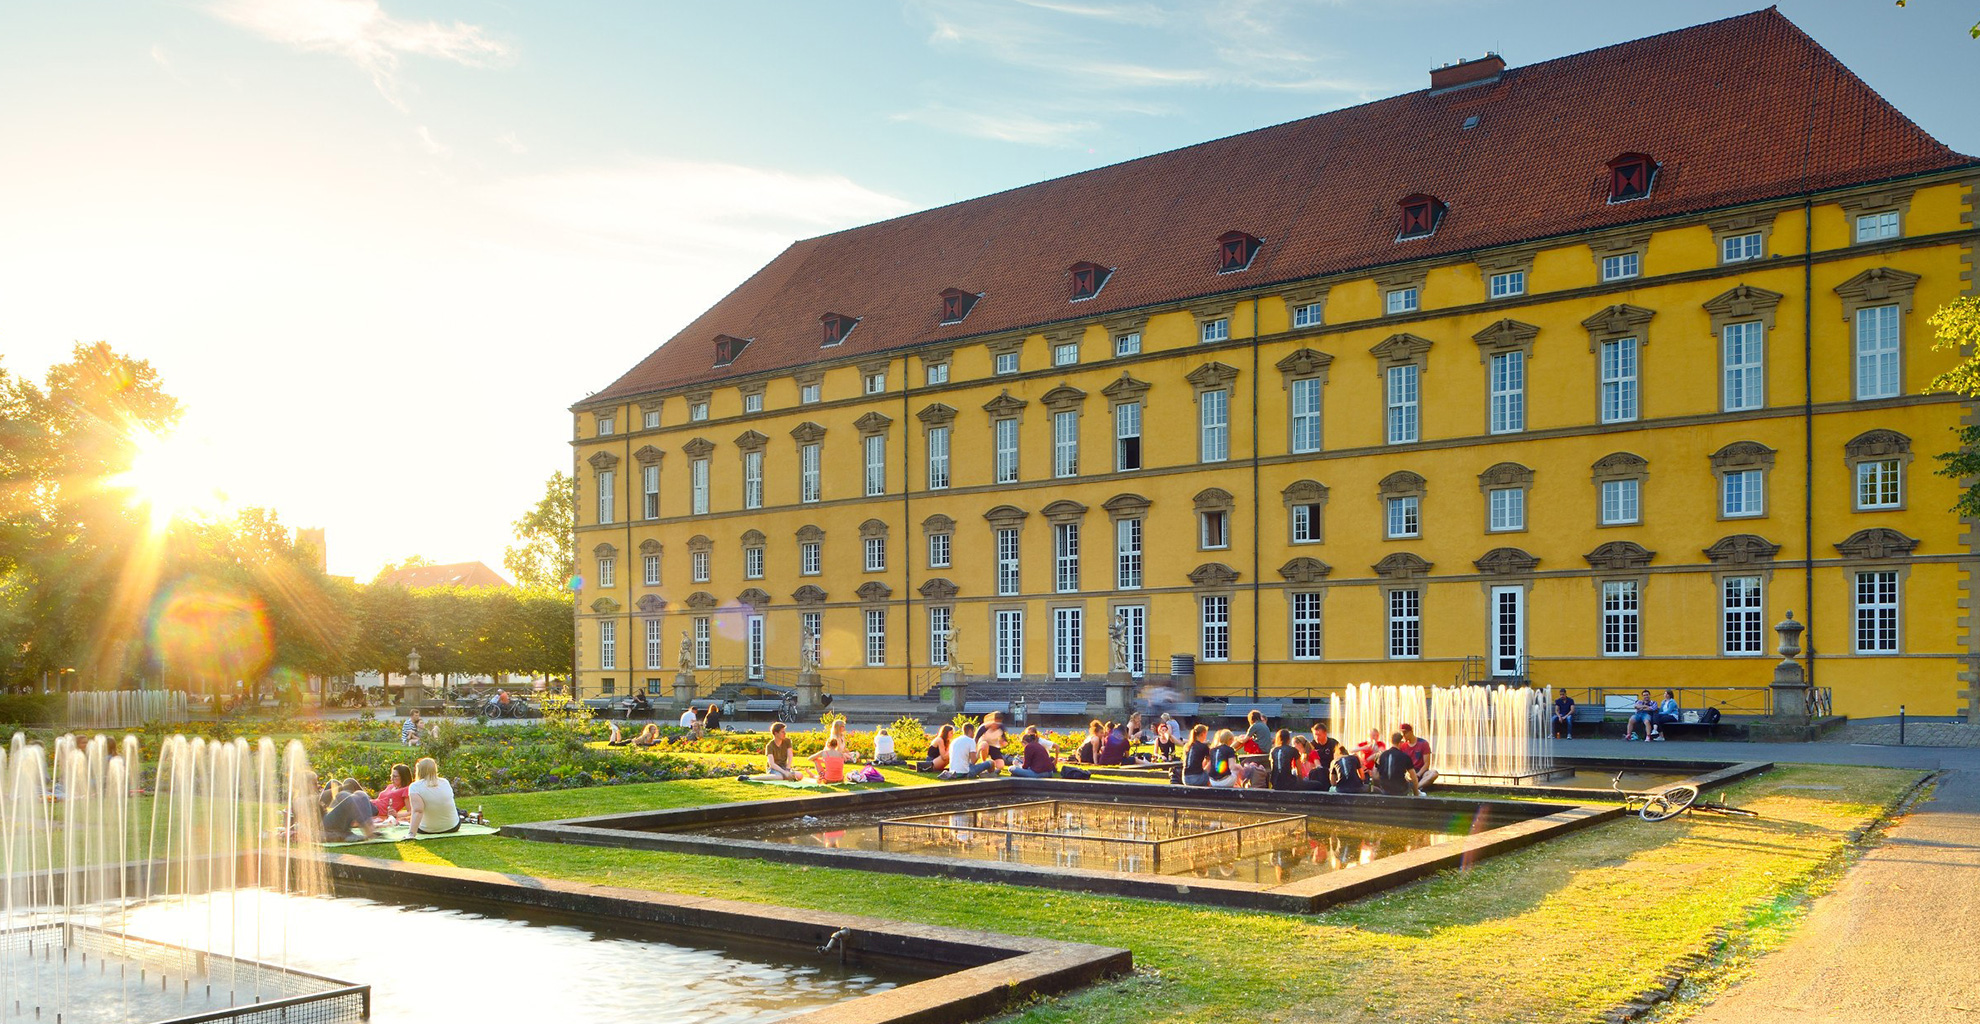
(1956,327)
(544,556)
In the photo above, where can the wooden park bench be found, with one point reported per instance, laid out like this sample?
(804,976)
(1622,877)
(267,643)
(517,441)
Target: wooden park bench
(984,707)
(1243,709)
(1060,709)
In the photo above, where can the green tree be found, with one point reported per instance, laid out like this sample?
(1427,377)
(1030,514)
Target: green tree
(1974,31)
(409,562)
(1956,327)
(544,557)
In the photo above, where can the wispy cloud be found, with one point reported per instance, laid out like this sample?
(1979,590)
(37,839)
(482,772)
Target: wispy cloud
(508,141)
(433,146)
(682,211)
(1004,126)
(361,31)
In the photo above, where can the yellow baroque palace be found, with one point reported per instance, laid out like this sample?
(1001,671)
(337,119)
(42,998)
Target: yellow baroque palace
(1584,373)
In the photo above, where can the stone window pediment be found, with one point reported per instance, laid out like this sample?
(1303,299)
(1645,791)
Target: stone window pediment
(1403,484)
(746,390)
(1506,261)
(1877,444)
(1505,474)
(649,546)
(1004,406)
(1211,376)
(1006,516)
(1741,223)
(1742,549)
(937,415)
(603,461)
(648,455)
(873,366)
(1403,565)
(1878,542)
(754,598)
(752,538)
(700,542)
(806,378)
(604,606)
(702,601)
(938,523)
(1399,350)
(938,589)
(1004,346)
(1619,242)
(651,604)
(1213,575)
(1063,511)
(1743,455)
(1213,310)
(1619,321)
(1877,286)
(1126,389)
(1126,506)
(1304,492)
(1506,562)
(874,592)
(1740,303)
(1306,295)
(1305,570)
(808,534)
(809,594)
(1305,362)
(1620,554)
(808,433)
(872,423)
(1898,199)
(1124,323)
(1507,335)
(1214,499)
(604,551)
(1063,398)
(1620,466)
(1403,277)
(699,448)
(872,528)
(751,441)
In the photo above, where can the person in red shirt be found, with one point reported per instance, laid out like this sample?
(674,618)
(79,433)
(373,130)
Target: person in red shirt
(1370,749)
(1418,750)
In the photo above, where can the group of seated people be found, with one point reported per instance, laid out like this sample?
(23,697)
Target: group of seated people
(697,724)
(1399,766)
(829,764)
(417,797)
(1650,715)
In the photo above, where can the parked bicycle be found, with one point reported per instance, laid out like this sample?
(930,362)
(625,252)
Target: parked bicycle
(1672,801)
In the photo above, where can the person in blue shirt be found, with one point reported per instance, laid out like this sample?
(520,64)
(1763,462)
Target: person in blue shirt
(1667,712)
(1563,717)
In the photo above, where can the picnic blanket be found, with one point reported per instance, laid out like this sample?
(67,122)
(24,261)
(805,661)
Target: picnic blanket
(806,783)
(399,833)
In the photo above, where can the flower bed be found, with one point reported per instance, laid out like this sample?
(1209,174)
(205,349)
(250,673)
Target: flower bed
(508,759)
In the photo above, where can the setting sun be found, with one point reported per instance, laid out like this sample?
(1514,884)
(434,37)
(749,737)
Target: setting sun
(171,476)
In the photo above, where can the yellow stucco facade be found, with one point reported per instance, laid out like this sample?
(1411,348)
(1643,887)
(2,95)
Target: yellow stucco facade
(1627,558)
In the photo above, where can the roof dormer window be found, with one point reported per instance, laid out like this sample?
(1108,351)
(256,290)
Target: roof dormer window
(836,327)
(1421,215)
(1630,177)
(728,347)
(1087,279)
(1235,250)
(956,304)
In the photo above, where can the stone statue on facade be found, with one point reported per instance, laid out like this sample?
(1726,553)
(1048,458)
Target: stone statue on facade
(951,656)
(687,654)
(1117,638)
(808,652)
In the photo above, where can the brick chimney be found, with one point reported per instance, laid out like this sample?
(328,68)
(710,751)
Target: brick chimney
(1467,72)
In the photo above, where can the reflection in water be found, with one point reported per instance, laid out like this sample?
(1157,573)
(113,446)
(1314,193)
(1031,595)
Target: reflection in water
(429,964)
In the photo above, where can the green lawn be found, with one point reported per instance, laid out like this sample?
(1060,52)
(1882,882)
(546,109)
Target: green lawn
(1561,932)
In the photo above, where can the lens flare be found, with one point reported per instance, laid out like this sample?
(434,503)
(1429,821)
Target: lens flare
(170,476)
(207,632)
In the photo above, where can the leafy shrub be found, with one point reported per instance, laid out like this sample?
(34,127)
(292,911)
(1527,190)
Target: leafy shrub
(31,709)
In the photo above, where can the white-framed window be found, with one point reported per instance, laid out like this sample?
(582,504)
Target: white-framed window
(1621,621)
(652,566)
(608,571)
(1065,353)
(698,566)
(1743,493)
(1508,284)
(753,646)
(607,426)
(1305,626)
(1007,562)
(941,619)
(1399,300)
(649,481)
(608,643)
(938,551)
(1875,227)
(703,642)
(1405,517)
(1068,649)
(1879,484)
(1877,612)
(698,485)
(1127,554)
(1065,443)
(1619,403)
(1006,431)
(938,458)
(1007,363)
(1621,266)
(1215,443)
(752,479)
(808,475)
(1308,315)
(876,554)
(1216,529)
(1620,503)
(876,383)
(652,419)
(655,646)
(1217,330)
(876,636)
(1306,523)
(1127,436)
(876,464)
(1065,557)
(753,563)
(1508,398)
(810,558)
(605,488)
(697,411)
(1128,344)
(1507,509)
(936,373)
(1739,248)
(1303,405)
(1405,623)
(1877,352)
(810,394)
(1010,644)
(1216,627)
(1403,423)
(753,402)
(1744,346)
(1743,629)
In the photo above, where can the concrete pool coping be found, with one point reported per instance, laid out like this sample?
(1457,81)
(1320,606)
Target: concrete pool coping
(1701,773)
(1524,823)
(990,972)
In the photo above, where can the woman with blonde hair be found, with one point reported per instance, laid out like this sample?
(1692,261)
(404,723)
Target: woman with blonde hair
(432,801)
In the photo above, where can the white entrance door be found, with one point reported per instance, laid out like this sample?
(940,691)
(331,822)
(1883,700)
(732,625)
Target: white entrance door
(1137,637)
(1010,645)
(1508,631)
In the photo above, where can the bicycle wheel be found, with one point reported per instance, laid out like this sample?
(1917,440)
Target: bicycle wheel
(1658,809)
(1679,797)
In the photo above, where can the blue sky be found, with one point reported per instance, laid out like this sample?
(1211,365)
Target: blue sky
(378,246)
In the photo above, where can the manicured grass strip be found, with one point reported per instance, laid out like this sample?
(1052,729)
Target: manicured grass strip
(1556,933)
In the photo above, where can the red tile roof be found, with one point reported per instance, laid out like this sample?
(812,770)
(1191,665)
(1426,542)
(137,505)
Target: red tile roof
(459,574)
(1731,110)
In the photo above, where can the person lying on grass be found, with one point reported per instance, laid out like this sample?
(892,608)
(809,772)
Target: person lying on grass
(649,736)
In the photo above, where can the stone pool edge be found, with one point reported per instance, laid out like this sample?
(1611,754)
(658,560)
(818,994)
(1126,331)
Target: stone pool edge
(995,972)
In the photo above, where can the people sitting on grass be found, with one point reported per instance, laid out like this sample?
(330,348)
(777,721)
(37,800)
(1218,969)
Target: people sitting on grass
(1035,760)
(711,716)
(830,762)
(1667,714)
(1196,758)
(1395,773)
(1644,713)
(1563,717)
(938,751)
(431,799)
(990,741)
(1310,761)
(348,813)
(1114,745)
(1282,762)
(1224,761)
(1418,750)
(691,722)
(883,747)
(1257,734)
(391,802)
(1089,750)
(409,732)
(1136,734)
(777,766)
(648,737)
(1167,740)
(963,762)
